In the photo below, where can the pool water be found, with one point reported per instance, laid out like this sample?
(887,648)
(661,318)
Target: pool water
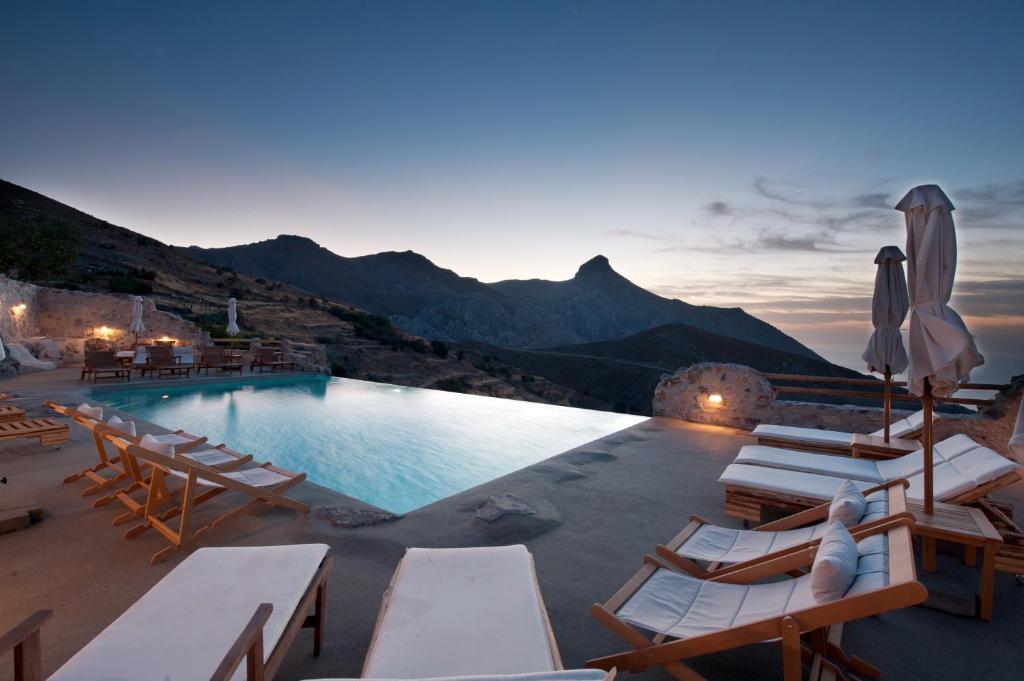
(395,447)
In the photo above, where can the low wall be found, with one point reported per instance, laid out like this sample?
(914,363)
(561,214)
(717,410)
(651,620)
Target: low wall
(739,396)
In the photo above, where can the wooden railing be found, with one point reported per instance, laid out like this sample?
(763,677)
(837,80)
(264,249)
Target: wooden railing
(875,394)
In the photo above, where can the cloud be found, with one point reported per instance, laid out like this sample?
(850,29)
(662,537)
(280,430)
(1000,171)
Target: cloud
(719,208)
(640,234)
(787,192)
(872,200)
(775,240)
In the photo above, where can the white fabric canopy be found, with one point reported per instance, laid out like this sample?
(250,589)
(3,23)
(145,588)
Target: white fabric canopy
(889,306)
(1017,439)
(941,348)
(3,353)
(137,326)
(232,317)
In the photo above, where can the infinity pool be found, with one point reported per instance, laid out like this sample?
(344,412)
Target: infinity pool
(394,447)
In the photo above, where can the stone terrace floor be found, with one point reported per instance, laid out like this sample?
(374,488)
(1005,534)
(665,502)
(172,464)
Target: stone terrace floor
(599,507)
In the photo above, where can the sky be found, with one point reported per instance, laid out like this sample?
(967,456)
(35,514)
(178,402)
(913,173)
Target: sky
(734,154)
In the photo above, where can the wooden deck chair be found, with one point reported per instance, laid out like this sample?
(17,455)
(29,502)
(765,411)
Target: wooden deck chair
(263,484)
(160,360)
(689,617)
(833,441)
(965,478)
(111,463)
(270,357)
(49,432)
(8,412)
(218,609)
(99,363)
(703,549)
(466,612)
(218,359)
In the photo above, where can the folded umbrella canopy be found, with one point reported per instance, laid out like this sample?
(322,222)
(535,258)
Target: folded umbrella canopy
(885,353)
(942,350)
(232,317)
(137,326)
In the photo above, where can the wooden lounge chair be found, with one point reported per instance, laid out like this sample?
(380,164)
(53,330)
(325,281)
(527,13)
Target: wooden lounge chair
(100,363)
(269,357)
(690,617)
(9,412)
(263,484)
(833,441)
(702,549)
(961,475)
(466,612)
(160,359)
(49,432)
(218,359)
(218,608)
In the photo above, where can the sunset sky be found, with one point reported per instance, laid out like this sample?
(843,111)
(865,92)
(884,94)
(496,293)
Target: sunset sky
(736,154)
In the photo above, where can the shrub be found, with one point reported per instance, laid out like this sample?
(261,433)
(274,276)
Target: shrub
(39,249)
(453,385)
(129,283)
(338,369)
(439,348)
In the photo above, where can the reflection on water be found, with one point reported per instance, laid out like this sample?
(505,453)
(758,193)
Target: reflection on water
(395,447)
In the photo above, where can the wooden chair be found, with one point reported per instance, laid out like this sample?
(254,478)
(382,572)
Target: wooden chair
(218,359)
(270,357)
(763,612)
(219,608)
(703,549)
(102,362)
(160,359)
(49,432)
(9,412)
(263,484)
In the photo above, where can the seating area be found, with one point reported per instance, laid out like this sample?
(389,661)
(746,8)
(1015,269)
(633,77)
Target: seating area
(158,360)
(842,556)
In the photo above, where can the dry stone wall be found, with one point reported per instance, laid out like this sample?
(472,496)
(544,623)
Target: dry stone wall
(741,397)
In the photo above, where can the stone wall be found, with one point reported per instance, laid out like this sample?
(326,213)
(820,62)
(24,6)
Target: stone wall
(68,319)
(747,399)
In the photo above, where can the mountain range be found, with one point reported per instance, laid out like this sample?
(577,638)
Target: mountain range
(596,304)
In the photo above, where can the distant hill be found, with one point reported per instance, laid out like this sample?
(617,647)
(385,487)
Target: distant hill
(596,304)
(625,371)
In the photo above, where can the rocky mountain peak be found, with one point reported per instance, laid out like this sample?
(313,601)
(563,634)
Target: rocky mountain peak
(596,265)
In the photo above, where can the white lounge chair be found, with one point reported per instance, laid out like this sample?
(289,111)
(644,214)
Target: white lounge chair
(718,546)
(188,625)
(462,612)
(833,441)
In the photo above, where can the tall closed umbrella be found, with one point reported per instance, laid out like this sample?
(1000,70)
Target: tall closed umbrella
(3,353)
(137,326)
(232,317)
(942,350)
(889,305)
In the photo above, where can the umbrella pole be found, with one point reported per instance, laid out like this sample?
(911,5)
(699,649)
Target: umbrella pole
(887,402)
(927,401)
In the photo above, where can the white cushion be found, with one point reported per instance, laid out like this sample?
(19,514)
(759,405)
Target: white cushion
(152,444)
(848,505)
(117,423)
(454,612)
(173,438)
(1017,439)
(88,410)
(809,462)
(907,426)
(808,435)
(560,675)
(208,457)
(835,564)
(795,483)
(182,627)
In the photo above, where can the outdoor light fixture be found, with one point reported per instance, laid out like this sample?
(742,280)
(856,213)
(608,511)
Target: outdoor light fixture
(715,399)
(104,332)
(18,309)
(165,397)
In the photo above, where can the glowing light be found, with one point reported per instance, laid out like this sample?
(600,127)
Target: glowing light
(18,309)
(104,332)
(165,397)
(165,339)
(715,399)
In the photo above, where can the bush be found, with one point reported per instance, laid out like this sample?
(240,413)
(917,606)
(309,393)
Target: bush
(439,348)
(129,283)
(338,369)
(39,249)
(453,385)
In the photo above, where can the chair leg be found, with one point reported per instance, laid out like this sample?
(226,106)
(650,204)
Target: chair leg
(792,657)
(321,610)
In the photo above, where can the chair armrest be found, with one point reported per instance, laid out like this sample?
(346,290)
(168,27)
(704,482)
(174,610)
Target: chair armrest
(24,640)
(248,646)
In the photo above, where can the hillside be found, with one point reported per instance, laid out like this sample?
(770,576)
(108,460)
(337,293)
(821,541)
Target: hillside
(51,243)
(596,304)
(625,371)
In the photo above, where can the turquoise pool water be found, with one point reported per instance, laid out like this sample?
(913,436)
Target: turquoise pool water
(394,447)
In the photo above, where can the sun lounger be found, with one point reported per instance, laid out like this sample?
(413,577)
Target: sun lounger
(160,359)
(198,622)
(218,359)
(9,412)
(474,613)
(269,357)
(688,617)
(103,362)
(263,484)
(702,548)
(856,469)
(49,432)
(832,441)
(961,479)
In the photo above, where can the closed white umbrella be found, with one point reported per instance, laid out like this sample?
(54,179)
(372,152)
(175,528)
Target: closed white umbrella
(885,353)
(137,326)
(3,353)
(942,350)
(232,317)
